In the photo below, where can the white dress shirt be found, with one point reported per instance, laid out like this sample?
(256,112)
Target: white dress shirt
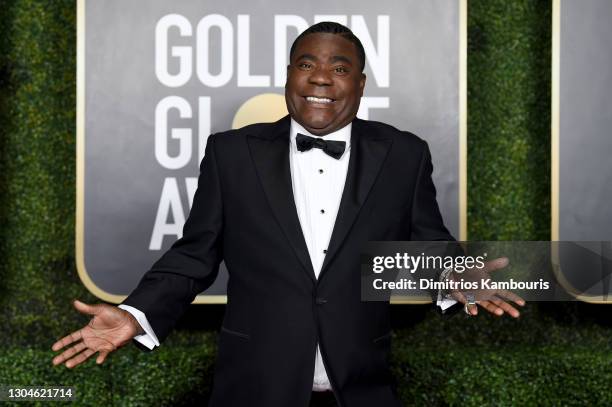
(318,181)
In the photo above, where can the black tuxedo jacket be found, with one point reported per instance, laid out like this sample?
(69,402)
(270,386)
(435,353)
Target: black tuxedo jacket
(277,311)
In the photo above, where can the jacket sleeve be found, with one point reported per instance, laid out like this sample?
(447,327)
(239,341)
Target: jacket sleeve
(427,225)
(191,265)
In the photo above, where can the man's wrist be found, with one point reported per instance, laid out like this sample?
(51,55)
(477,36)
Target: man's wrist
(134,322)
(446,276)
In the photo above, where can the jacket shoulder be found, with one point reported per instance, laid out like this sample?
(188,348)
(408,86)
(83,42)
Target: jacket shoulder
(251,129)
(401,137)
(234,141)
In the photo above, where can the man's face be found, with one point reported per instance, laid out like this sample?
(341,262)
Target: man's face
(324,83)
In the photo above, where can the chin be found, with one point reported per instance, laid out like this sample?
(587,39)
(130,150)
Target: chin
(316,127)
(318,124)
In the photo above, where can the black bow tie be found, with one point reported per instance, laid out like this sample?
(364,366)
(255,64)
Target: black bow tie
(332,148)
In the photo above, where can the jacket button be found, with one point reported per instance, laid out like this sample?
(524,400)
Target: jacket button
(320,301)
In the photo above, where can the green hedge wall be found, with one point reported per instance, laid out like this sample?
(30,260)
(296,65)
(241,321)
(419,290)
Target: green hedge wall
(556,354)
(509,52)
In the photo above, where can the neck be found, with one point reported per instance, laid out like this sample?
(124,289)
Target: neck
(321,132)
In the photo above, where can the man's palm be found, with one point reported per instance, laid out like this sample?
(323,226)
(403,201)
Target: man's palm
(109,329)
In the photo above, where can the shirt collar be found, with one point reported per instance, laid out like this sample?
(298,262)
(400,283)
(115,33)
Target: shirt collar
(343,134)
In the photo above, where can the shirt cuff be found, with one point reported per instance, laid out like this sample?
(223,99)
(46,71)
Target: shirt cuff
(148,339)
(444,303)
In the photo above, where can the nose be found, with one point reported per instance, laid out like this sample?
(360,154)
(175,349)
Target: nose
(320,77)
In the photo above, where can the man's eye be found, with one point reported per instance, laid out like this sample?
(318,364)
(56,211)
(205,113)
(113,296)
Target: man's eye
(304,65)
(340,69)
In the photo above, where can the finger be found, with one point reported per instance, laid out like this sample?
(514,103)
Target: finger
(86,308)
(101,357)
(80,358)
(473,309)
(497,264)
(492,308)
(69,353)
(510,296)
(507,308)
(458,295)
(67,340)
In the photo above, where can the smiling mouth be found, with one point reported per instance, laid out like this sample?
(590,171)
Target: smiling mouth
(321,100)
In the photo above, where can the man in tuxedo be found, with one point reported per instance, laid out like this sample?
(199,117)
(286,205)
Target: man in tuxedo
(289,206)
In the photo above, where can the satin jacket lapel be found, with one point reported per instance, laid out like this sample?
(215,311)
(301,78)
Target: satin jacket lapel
(270,153)
(368,153)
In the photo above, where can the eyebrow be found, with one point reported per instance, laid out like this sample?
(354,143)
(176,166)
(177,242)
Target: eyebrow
(306,56)
(340,58)
(334,59)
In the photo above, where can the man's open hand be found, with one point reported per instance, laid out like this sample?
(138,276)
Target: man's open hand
(109,329)
(495,301)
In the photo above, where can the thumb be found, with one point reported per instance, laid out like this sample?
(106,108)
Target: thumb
(85,308)
(498,263)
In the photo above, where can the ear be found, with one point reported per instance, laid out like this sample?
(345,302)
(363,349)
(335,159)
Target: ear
(362,82)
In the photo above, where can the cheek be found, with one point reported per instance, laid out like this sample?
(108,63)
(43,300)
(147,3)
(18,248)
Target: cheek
(296,82)
(293,97)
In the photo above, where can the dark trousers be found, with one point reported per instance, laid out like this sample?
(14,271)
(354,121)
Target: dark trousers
(323,399)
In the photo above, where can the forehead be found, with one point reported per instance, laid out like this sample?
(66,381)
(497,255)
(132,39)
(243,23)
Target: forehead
(325,45)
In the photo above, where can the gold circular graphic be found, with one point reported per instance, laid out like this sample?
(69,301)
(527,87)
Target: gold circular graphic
(264,108)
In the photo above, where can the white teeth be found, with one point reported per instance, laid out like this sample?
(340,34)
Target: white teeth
(318,100)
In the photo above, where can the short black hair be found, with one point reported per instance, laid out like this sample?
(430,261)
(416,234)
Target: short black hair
(330,27)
